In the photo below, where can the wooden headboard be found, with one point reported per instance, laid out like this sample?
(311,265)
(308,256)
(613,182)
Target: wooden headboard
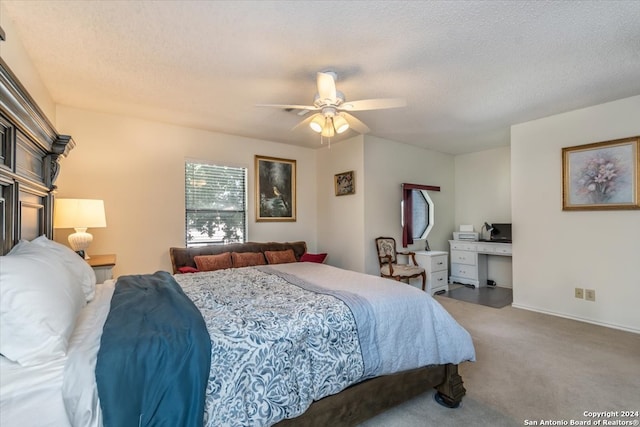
(30,154)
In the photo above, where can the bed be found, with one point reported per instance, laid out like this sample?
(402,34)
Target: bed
(57,376)
(277,344)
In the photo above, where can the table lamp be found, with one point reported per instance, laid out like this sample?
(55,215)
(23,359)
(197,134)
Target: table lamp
(79,214)
(489,229)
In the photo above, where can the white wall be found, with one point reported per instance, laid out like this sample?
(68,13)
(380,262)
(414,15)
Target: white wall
(14,55)
(556,251)
(483,193)
(137,168)
(348,225)
(340,218)
(387,165)
(483,187)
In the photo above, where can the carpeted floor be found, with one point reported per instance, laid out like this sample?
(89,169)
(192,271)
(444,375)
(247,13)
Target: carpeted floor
(491,296)
(531,366)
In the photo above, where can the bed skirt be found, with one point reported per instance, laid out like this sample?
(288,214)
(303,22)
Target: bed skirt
(369,398)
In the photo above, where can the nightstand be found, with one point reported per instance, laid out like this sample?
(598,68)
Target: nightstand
(103,266)
(435,264)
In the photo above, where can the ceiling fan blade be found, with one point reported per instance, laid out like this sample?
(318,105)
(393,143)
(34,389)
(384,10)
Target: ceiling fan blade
(306,121)
(355,124)
(373,104)
(286,107)
(327,87)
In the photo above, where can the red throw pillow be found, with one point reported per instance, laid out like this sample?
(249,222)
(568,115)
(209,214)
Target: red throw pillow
(280,257)
(319,258)
(247,259)
(213,262)
(188,270)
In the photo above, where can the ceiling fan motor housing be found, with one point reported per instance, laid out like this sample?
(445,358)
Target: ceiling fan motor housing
(319,103)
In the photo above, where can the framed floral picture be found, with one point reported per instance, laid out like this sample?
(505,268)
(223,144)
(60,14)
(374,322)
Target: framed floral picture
(601,176)
(275,189)
(344,183)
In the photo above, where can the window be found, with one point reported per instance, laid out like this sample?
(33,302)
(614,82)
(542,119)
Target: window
(422,214)
(216,204)
(417,212)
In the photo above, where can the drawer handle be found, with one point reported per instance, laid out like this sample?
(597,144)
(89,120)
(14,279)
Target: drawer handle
(440,279)
(440,263)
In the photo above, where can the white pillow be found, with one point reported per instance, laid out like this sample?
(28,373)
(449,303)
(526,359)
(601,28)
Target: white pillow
(39,304)
(78,266)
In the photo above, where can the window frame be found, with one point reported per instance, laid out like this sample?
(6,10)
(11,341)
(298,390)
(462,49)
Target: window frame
(407,211)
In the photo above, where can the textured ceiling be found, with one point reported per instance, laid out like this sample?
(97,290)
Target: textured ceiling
(468,70)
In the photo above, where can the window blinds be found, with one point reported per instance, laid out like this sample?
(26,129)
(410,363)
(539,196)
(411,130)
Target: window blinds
(215,203)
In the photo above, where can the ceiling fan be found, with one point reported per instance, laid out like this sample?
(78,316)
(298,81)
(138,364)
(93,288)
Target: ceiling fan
(332,117)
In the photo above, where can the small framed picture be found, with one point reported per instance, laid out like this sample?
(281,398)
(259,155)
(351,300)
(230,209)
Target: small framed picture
(345,183)
(603,175)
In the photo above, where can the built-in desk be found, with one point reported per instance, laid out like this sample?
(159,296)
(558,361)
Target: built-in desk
(469,260)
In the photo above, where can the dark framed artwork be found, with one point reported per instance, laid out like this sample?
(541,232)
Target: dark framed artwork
(345,183)
(275,189)
(601,176)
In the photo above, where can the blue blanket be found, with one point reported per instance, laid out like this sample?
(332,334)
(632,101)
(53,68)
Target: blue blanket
(154,357)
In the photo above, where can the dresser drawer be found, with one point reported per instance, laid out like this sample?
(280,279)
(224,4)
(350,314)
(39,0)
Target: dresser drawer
(439,279)
(462,246)
(464,257)
(438,263)
(503,250)
(465,271)
(485,248)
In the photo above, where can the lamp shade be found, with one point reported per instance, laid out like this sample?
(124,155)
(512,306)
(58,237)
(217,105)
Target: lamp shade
(340,124)
(328,130)
(317,123)
(79,213)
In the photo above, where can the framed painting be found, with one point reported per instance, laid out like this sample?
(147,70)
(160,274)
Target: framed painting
(275,189)
(601,176)
(345,183)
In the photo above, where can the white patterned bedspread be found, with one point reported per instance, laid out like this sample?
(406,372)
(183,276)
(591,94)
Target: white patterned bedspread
(278,346)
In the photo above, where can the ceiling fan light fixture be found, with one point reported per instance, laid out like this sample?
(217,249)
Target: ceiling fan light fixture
(332,111)
(317,124)
(340,124)
(328,131)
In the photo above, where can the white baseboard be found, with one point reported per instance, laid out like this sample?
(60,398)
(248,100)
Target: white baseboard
(580,319)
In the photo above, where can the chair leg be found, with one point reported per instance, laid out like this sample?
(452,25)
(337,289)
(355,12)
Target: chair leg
(424,280)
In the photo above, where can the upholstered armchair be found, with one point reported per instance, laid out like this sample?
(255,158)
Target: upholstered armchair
(389,266)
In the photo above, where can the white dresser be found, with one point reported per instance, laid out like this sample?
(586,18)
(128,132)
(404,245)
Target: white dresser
(435,264)
(469,260)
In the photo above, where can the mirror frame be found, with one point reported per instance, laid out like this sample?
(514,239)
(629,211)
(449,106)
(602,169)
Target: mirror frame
(407,211)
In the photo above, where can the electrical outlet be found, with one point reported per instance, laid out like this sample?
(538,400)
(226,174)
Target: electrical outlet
(590,294)
(579,293)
